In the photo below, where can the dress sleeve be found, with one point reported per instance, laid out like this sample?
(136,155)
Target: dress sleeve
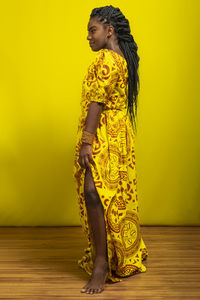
(105,79)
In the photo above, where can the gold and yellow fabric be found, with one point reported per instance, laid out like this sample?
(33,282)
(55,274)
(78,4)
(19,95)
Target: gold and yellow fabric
(114,172)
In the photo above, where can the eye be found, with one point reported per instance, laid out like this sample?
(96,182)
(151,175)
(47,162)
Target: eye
(93,30)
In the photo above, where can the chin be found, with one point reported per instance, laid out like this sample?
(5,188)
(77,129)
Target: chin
(94,47)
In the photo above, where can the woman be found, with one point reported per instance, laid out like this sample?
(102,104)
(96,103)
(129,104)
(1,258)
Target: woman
(104,166)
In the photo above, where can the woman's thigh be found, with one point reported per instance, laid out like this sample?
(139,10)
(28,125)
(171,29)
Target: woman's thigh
(90,191)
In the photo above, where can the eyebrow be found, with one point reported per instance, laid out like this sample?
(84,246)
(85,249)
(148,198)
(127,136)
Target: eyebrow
(92,27)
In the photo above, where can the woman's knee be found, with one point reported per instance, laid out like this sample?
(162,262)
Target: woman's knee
(92,198)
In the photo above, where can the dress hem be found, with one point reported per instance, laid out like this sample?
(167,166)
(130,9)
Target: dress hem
(86,264)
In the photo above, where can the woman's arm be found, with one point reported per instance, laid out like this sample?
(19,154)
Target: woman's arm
(91,124)
(93,117)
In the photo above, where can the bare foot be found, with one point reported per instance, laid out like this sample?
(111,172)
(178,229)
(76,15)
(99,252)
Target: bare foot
(98,278)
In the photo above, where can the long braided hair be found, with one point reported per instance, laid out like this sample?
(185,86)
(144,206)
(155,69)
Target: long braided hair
(113,16)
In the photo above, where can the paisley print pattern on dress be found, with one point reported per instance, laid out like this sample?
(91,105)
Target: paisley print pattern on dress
(114,172)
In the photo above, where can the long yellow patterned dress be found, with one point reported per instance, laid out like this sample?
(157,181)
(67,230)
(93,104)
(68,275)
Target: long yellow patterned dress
(114,171)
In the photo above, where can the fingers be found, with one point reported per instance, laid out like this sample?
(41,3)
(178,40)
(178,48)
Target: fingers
(84,162)
(91,159)
(85,157)
(87,164)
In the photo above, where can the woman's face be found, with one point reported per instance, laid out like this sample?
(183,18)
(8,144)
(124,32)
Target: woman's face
(97,35)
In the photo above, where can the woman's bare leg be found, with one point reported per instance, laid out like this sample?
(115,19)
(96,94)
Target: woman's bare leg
(95,213)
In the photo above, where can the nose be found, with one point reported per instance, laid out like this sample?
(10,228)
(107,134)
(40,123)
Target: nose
(88,37)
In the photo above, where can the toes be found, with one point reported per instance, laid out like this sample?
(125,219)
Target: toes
(88,291)
(84,289)
(93,291)
(98,290)
(101,289)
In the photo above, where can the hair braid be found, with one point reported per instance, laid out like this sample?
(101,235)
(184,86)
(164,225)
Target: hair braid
(113,16)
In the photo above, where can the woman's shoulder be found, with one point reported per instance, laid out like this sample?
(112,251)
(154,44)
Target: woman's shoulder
(110,56)
(104,50)
(104,56)
(104,53)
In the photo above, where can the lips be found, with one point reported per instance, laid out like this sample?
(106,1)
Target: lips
(91,43)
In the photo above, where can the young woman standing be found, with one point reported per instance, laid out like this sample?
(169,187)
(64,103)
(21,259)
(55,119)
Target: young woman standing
(104,166)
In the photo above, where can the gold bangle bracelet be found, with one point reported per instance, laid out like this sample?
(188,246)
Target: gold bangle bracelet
(88,137)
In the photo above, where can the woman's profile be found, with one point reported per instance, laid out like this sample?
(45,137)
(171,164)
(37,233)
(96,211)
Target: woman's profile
(104,165)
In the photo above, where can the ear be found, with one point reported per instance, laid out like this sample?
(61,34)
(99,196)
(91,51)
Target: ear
(110,29)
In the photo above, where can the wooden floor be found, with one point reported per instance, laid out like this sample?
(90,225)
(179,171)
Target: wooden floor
(41,263)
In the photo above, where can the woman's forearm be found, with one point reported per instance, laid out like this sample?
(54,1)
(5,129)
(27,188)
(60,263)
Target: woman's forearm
(93,117)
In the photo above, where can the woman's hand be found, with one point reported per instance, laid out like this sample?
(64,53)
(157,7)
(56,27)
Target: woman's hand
(85,156)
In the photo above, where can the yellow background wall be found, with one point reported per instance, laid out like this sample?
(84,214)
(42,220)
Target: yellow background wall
(44,55)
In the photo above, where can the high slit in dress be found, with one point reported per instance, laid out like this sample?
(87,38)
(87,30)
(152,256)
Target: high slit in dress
(114,172)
